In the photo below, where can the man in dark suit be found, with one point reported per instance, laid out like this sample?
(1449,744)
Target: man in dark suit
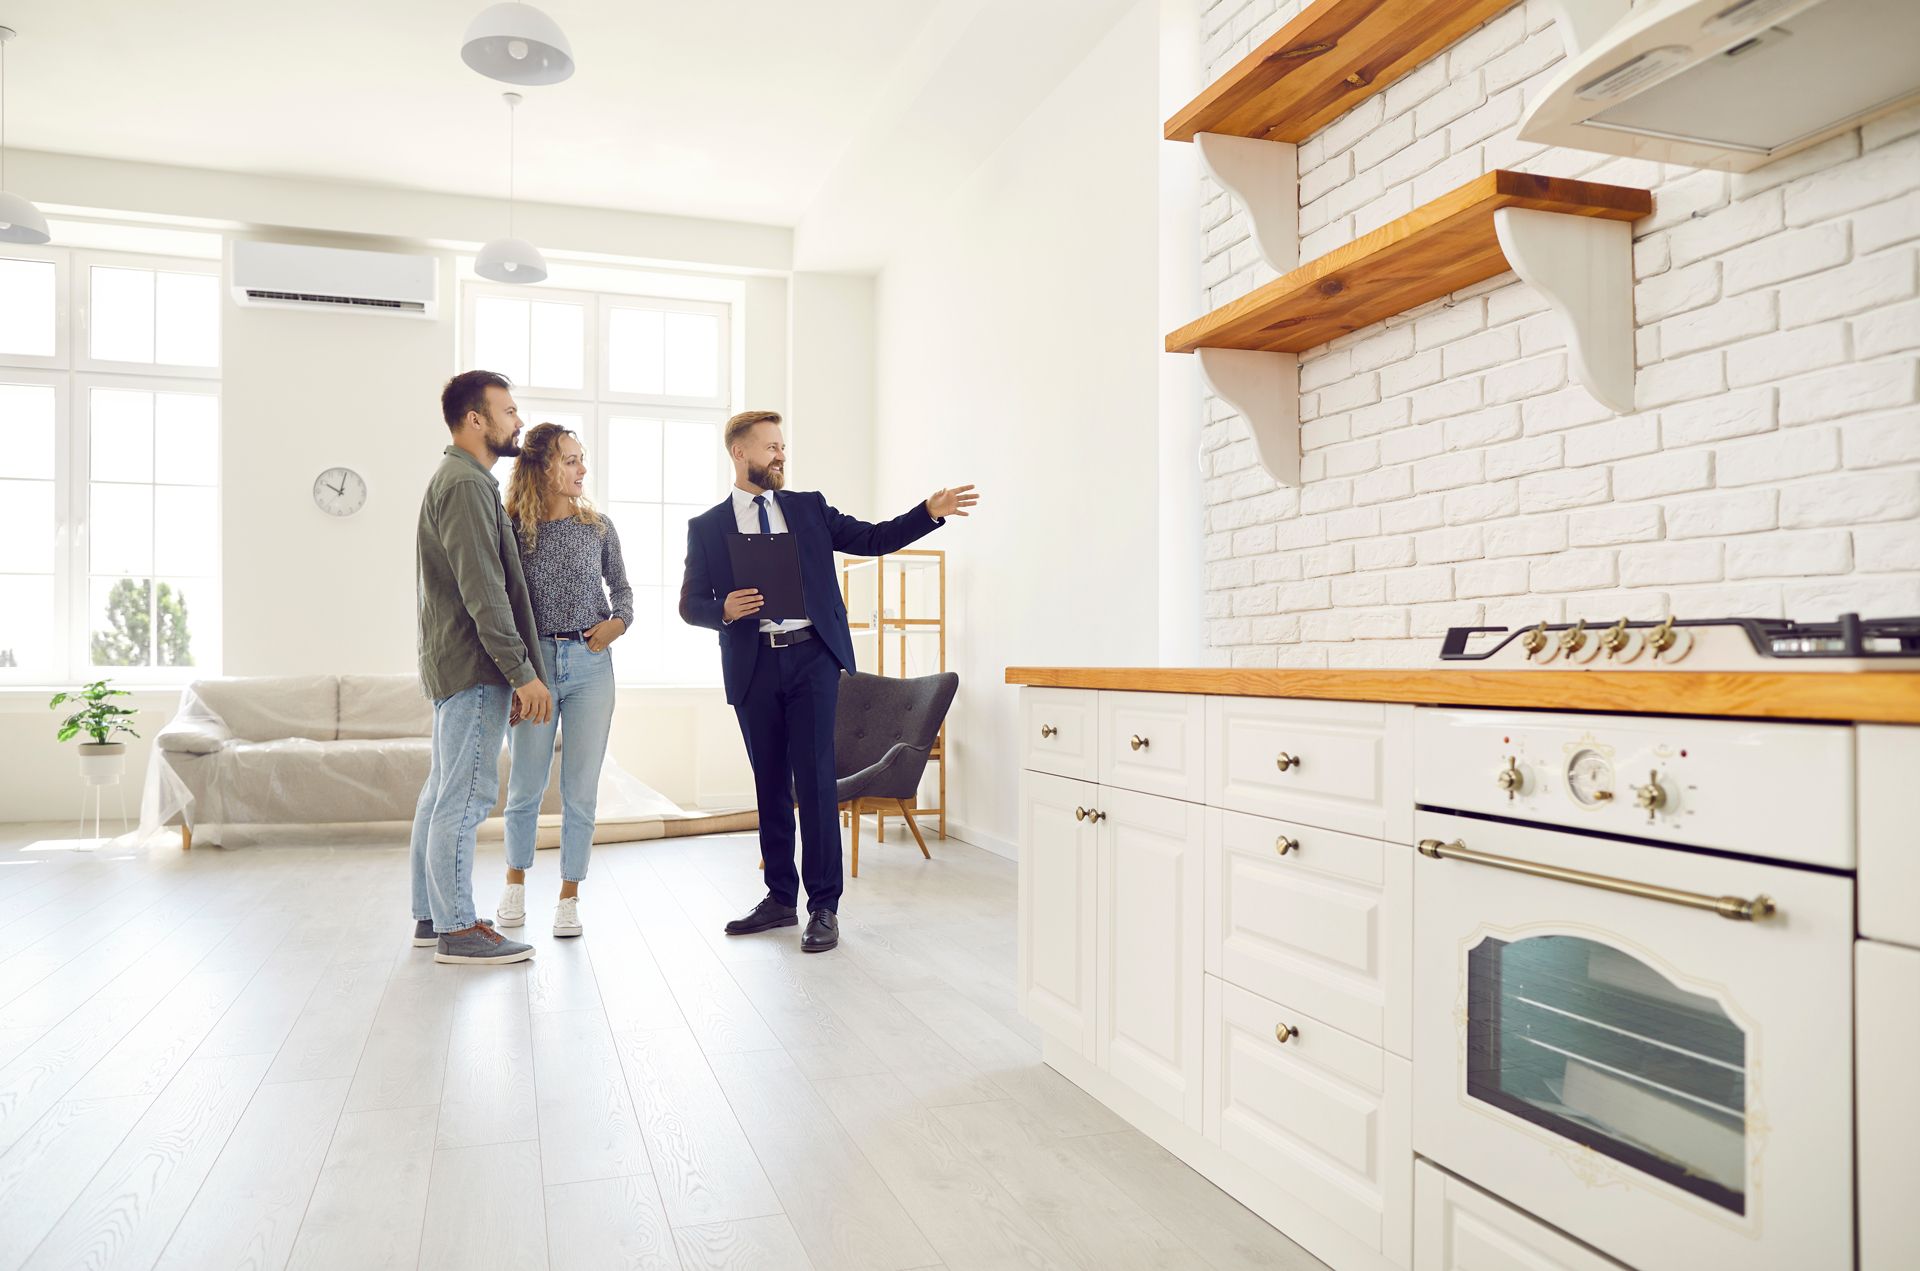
(783,678)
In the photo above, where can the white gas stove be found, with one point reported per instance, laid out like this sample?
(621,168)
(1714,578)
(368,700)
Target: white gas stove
(1851,643)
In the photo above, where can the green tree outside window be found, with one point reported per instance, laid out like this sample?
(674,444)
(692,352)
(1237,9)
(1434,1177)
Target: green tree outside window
(127,640)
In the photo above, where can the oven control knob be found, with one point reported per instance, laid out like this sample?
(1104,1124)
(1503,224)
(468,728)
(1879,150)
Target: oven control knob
(1535,642)
(1669,643)
(1651,797)
(1512,779)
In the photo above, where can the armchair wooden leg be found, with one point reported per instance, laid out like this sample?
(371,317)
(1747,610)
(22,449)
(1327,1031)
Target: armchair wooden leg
(855,805)
(914,825)
(186,837)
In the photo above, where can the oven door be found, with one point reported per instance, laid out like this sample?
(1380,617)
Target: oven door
(1669,1084)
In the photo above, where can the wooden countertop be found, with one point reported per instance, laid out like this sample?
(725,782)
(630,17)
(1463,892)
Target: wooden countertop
(1883,697)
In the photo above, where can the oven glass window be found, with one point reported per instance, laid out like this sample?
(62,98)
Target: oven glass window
(1600,1048)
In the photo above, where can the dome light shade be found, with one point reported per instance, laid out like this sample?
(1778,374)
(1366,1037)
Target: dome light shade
(21,221)
(517,44)
(510,260)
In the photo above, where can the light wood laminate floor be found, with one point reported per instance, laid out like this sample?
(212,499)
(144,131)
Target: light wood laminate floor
(235,1059)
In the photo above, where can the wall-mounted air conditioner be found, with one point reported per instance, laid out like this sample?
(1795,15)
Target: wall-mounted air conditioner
(288,276)
(1729,84)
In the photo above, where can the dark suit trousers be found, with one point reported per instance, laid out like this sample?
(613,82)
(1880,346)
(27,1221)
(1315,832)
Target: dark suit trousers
(787,720)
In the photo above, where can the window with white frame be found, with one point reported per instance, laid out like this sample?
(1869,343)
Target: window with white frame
(647,384)
(109,467)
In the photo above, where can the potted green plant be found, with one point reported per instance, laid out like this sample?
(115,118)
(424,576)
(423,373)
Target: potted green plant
(102,760)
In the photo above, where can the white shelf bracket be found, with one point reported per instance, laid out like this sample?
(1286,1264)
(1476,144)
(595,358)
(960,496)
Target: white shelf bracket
(1264,389)
(1264,178)
(1582,22)
(1583,267)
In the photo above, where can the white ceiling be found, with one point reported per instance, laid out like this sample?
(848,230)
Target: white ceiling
(731,109)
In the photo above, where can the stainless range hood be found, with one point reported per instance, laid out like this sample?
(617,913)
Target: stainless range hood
(1731,84)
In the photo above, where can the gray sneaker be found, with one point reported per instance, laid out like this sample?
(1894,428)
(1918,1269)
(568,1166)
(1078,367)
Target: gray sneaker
(480,944)
(423,934)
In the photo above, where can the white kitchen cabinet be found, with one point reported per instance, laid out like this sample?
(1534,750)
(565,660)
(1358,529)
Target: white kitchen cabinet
(1149,921)
(1322,1114)
(1314,917)
(1060,732)
(1887,1038)
(1458,1227)
(1058,862)
(1154,743)
(1338,765)
(1888,757)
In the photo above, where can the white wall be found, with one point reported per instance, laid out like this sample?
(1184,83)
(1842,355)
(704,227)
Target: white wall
(1452,475)
(1017,338)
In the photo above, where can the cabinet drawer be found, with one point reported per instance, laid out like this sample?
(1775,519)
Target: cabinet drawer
(1154,743)
(1888,756)
(1338,765)
(1325,924)
(1060,730)
(1458,1227)
(1322,1115)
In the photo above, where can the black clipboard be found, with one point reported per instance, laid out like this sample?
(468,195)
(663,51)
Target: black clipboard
(770,564)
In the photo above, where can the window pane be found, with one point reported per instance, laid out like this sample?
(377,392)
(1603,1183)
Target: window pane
(26,430)
(26,528)
(186,530)
(27,308)
(635,351)
(559,345)
(184,612)
(673,552)
(188,311)
(500,337)
(639,526)
(120,631)
(186,438)
(687,654)
(639,649)
(122,423)
(122,314)
(693,355)
(26,627)
(633,459)
(503,472)
(121,529)
(693,462)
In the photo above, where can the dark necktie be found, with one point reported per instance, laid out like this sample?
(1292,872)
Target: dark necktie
(760,502)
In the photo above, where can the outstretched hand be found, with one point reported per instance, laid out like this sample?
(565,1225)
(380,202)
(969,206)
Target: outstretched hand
(951,502)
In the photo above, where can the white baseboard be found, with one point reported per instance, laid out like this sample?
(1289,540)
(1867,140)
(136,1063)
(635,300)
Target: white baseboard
(983,840)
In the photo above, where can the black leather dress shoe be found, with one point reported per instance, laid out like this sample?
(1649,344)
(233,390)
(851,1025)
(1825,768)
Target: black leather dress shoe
(764,916)
(822,933)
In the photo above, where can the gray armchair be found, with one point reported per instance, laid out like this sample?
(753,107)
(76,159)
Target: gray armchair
(885,729)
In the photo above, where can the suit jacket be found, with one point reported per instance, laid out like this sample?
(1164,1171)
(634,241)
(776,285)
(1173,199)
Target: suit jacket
(822,530)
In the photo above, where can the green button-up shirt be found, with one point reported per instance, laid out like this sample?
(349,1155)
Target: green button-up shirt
(476,616)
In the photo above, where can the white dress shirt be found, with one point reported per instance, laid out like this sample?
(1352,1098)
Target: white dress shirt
(747,517)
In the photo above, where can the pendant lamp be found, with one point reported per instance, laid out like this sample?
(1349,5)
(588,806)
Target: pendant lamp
(517,44)
(510,259)
(20,221)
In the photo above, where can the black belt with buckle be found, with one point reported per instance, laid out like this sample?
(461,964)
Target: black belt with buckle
(783,639)
(580,636)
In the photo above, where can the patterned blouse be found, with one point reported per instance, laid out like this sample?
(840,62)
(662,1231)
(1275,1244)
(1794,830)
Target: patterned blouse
(570,572)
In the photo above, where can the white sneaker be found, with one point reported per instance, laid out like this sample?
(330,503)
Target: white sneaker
(566,916)
(513,906)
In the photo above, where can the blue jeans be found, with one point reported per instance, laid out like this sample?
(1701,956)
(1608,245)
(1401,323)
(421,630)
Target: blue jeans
(461,787)
(582,684)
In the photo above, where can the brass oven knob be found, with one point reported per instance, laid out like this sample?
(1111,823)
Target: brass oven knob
(1139,742)
(1651,797)
(1535,640)
(1284,1033)
(1574,638)
(1048,730)
(1286,761)
(1616,637)
(1669,644)
(1284,844)
(1510,778)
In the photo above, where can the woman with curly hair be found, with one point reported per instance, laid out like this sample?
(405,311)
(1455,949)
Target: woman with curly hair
(582,603)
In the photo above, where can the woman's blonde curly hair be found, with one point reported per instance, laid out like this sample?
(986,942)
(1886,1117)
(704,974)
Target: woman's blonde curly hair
(533,474)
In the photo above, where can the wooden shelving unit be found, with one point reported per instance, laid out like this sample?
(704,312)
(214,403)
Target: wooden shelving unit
(904,632)
(1335,54)
(1433,250)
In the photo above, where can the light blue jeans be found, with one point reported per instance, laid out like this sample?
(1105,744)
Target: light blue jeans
(582,684)
(461,788)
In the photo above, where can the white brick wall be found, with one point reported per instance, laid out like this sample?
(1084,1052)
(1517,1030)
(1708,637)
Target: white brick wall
(1451,473)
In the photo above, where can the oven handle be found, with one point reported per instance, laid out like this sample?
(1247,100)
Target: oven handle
(1730,907)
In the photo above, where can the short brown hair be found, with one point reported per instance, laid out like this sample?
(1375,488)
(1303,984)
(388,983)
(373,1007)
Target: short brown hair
(466,392)
(745,422)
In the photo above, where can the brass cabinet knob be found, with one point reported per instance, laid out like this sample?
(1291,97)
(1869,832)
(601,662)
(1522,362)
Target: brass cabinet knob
(1139,742)
(1651,797)
(1283,1033)
(1094,816)
(1079,814)
(1048,730)
(1286,761)
(1284,844)
(1510,778)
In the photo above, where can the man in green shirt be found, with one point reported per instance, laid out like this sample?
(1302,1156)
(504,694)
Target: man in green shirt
(479,661)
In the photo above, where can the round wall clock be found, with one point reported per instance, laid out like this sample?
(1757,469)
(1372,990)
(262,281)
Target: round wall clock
(339,492)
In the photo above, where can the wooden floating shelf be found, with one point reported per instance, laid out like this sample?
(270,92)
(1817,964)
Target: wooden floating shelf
(1433,250)
(1335,54)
